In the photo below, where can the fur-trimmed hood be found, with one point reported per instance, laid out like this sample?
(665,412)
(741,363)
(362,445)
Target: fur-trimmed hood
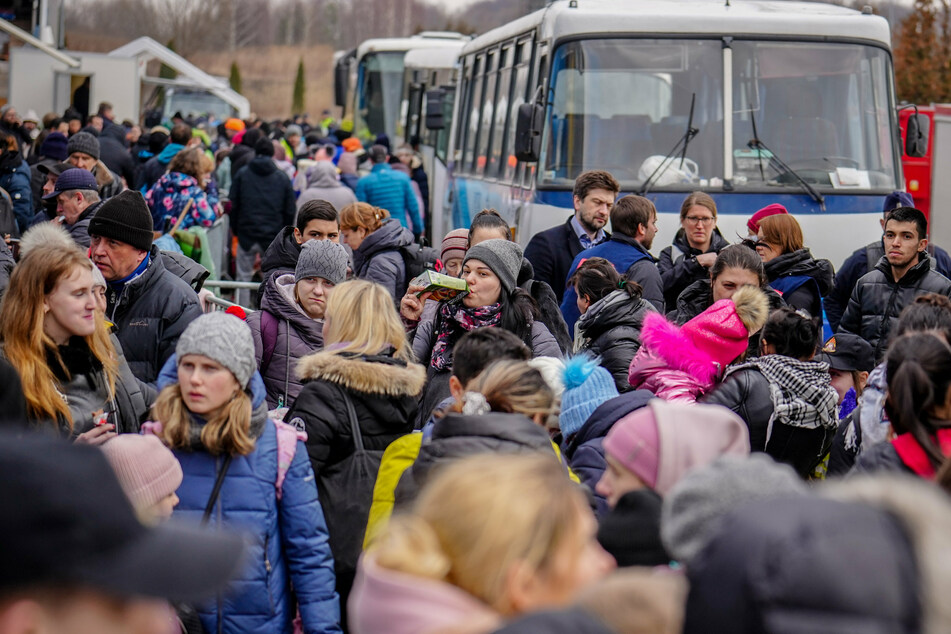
(376,374)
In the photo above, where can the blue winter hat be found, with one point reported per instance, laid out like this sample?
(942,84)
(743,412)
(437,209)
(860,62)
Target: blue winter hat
(897,199)
(587,385)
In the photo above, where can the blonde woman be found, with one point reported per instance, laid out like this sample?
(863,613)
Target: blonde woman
(376,239)
(211,412)
(363,383)
(56,340)
(490,537)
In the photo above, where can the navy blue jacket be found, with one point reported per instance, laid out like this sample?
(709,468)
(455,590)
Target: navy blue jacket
(262,203)
(630,258)
(584,452)
(287,539)
(551,253)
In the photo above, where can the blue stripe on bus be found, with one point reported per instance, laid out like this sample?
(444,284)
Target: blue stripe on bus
(745,203)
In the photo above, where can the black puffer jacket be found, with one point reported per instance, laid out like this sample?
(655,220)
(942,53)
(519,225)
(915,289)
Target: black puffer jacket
(186,269)
(611,330)
(878,299)
(801,263)
(295,336)
(460,435)
(383,391)
(262,203)
(747,392)
(150,313)
(281,255)
(678,264)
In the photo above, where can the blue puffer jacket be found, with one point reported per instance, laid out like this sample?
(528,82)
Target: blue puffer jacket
(391,190)
(287,538)
(15,178)
(584,452)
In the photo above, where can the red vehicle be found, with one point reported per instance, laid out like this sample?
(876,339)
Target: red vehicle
(918,170)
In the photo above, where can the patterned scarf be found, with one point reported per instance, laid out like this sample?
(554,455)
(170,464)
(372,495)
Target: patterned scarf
(452,317)
(801,391)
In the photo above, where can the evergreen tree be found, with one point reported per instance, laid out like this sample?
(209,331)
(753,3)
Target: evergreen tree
(167,72)
(297,104)
(918,68)
(234,80)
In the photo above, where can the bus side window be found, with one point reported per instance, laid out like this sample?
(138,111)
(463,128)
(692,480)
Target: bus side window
(488,109)
(503,94)
(518,96)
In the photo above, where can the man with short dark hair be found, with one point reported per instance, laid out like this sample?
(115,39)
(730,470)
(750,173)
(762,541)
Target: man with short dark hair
(149,305)
(903,273)
(388,189)
(77,560)
(552,251)
(77,201)
(863,261)
(634,220)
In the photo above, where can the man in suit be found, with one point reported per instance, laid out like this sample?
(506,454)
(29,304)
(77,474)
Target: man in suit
(551,252)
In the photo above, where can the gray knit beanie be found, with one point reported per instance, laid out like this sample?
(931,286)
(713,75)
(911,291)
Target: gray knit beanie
(223,338)
(504,257)
(85,143)
(322,258)
(696,506)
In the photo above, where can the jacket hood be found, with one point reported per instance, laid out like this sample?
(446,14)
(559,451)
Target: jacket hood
(116,132)
(323,174)
(262,165)
(379,375)
(169,152)
(9,160)
(391,235)
(526,272)
(616,309)
(278,299)
(801,262)
(602,419)
(282,253)
(913,275)
(384,600)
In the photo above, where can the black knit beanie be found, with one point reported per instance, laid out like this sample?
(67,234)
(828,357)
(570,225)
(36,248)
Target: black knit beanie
(125,218)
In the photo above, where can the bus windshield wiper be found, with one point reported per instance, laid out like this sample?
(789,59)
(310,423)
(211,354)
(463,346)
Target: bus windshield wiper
(681,147)
(756,144)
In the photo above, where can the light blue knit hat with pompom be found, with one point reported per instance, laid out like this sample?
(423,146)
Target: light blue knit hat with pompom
(587,385)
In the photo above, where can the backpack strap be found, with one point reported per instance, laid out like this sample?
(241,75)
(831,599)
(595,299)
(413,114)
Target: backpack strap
(287,437)
(675,253)
(269,326)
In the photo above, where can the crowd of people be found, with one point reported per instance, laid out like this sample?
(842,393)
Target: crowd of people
(584,439)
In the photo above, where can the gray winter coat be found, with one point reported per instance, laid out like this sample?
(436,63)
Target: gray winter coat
(611,331)
(323,184)
(379,260)
(878,299)
(297,335)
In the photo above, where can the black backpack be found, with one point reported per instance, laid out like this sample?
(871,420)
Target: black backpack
(418,258)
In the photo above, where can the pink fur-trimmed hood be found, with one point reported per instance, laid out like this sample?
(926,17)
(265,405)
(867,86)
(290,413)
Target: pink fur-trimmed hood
(674,347)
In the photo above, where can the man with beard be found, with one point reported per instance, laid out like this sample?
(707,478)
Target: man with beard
(903,273)
(552,251)
(634,220)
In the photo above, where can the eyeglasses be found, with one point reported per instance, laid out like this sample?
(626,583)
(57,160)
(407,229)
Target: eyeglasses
(697,220)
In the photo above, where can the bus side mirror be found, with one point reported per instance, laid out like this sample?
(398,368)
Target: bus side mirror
(435,100)
(341,77)
(917,129)
(528,132)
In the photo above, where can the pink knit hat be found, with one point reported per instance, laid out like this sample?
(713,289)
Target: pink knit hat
(454,245)
(706,344)
(662,442)
(147,470)
(767,211)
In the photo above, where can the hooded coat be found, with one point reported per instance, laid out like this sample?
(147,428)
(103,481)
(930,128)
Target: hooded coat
(584,450)
(460,435)
(678,264)
(378,258)
(297,335)
(169,196)
(323,184)
(281,255)
(807,296)
(287,539)
(262,203)
(611,331)
(878,299)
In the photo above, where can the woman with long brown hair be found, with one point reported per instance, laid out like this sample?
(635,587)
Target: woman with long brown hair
(60,346)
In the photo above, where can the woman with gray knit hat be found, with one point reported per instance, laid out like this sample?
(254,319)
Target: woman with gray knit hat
(245,472)
(290,324)
(494,299)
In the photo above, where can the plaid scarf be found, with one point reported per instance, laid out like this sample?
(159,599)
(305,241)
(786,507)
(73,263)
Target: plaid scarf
(452,317)
(801,391)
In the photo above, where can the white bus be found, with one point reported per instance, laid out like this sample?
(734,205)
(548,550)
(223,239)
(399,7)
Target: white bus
(368,81)
(785,102)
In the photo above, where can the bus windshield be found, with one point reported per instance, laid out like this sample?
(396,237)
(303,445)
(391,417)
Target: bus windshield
(379,88)
(624,104)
